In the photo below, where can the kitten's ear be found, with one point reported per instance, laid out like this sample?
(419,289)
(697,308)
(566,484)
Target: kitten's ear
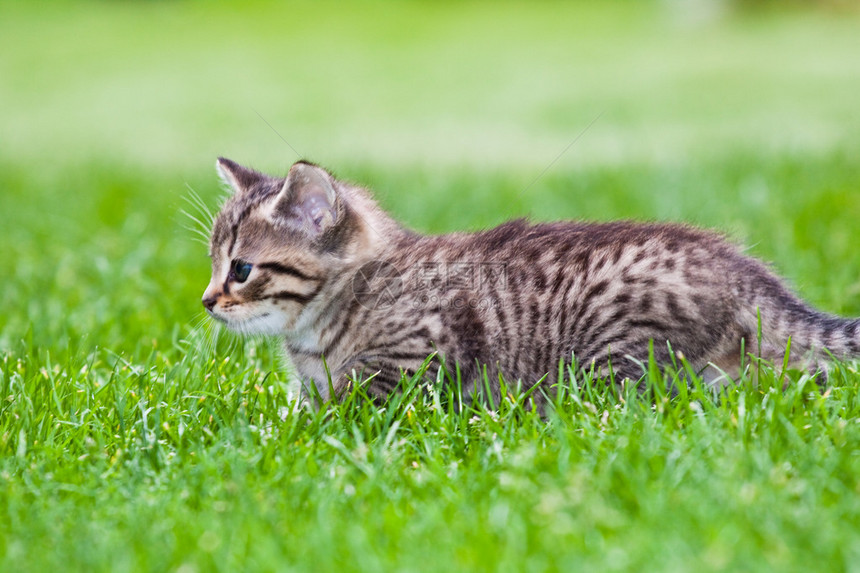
(308,199)
(237,177)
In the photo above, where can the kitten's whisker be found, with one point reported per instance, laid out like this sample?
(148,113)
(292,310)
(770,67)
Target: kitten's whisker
(200,225)
(197,336)
(195,200)
(278,134)
(197,235)
(563,151)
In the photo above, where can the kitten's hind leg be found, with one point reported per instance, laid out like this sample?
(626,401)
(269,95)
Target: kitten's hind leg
(722,371)
(743,359)
(814,362)
(630,362)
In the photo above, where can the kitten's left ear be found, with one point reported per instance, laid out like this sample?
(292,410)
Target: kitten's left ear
(308,199)
(237,177)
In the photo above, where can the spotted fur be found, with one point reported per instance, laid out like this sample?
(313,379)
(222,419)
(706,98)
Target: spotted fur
(347,286)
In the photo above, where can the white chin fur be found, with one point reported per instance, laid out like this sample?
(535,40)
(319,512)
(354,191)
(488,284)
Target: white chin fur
(264,324)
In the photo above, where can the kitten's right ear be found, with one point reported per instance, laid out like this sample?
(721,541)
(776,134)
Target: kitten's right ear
(237,177)
(308,200)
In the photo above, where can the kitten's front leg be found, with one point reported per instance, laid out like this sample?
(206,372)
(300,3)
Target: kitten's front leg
(378,378)
(320,384)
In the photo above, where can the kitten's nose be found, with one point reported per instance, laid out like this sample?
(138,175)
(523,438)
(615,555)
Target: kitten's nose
(209,302)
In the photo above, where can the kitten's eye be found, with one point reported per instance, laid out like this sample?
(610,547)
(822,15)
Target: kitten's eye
(240,270)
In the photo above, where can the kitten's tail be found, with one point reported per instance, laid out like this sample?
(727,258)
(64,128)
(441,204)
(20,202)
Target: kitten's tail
(838,336)
(814,334)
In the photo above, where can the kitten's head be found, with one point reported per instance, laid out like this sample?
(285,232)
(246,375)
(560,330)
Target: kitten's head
(276,243)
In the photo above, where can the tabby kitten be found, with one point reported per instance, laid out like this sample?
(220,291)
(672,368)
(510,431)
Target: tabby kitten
(353,294)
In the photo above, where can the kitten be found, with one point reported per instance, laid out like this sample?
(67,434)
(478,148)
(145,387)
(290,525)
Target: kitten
(354,295)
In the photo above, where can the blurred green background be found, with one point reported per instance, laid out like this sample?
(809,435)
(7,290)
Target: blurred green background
(737,115)
(497,85)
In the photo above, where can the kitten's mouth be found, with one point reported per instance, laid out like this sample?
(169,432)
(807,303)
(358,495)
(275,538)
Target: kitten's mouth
(220,319)
(240,325)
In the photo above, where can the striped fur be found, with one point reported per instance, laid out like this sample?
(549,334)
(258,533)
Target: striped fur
(340,280)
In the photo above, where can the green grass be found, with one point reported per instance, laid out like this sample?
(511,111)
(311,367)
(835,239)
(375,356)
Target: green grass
(132,440)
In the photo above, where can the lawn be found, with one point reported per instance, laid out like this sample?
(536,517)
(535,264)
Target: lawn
(134,437)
